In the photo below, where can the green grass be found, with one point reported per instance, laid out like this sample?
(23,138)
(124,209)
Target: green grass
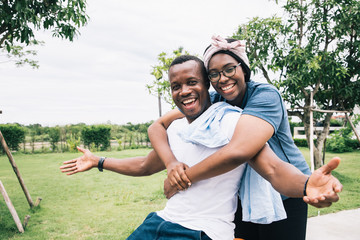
(348,173)
(106,205)
(91,205)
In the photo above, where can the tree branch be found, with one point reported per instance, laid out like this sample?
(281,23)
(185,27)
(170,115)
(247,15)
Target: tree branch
(298,114)
(265,73)
(4,38)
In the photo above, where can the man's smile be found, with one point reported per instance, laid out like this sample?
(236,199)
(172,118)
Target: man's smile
(188,101)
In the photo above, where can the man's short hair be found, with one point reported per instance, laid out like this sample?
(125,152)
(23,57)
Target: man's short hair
(184,58)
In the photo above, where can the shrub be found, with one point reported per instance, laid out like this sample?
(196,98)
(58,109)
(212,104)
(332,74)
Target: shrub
(119,141)
(13,135)
(73,142)
(336,123)
(300,142)
(340,141)
(337,144)
(353,143)
(98,135)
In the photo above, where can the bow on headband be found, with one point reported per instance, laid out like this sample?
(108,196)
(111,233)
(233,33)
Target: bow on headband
(219,43)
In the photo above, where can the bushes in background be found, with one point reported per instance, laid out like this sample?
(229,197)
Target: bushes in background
(98,135)
(13,134)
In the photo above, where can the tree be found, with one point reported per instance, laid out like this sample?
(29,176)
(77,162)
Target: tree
(35,131)
(19,19)
(54,134)
(315,48)
(160,87)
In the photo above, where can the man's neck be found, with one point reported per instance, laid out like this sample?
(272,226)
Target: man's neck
(190,120)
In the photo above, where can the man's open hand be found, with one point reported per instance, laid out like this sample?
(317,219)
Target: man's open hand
(80,164)
(323,188)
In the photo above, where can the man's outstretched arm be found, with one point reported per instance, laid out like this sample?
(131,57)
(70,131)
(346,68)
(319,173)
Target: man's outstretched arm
(320,190)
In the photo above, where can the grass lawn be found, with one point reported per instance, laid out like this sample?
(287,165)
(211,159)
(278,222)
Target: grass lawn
(348,173)
(91,205)
(95,205)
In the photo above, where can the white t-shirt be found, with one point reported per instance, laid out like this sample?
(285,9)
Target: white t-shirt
(208,205)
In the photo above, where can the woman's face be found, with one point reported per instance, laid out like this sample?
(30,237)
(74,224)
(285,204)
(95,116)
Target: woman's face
(231,88)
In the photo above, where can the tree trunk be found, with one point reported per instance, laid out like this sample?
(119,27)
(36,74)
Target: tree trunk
(321,136)
(24,142)
(320,139)
(124,141)
(159,103)
(306,120)
(32,144)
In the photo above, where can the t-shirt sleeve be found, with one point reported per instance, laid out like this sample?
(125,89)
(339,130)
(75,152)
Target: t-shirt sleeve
(229,122)
(266,103)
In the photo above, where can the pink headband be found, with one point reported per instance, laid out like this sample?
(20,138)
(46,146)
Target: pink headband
(219,43)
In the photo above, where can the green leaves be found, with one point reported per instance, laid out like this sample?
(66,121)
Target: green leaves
(160,86)
(262,37)
(98,135)
(20,18)
(13,135)
(314,47)
(54,135)
(20,56)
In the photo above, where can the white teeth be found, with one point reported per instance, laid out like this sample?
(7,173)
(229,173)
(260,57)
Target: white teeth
(188,101)
(227,88)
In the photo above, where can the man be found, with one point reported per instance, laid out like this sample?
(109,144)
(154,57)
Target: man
(207,208)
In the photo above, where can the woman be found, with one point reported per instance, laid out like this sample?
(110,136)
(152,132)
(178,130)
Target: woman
(264,120)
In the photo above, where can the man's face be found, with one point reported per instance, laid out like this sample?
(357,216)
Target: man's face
(188,89)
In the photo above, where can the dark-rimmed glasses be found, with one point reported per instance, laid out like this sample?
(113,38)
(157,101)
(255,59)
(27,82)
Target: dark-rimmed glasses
(227,72)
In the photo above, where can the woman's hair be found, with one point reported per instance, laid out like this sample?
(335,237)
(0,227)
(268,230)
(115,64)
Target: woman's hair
(244,66)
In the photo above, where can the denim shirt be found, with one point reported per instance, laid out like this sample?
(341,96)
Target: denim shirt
(264,101)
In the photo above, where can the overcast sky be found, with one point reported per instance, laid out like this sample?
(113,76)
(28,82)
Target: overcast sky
(101,76)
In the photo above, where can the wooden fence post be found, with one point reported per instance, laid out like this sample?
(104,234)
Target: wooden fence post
(11,208)
(353,127)
(16,170)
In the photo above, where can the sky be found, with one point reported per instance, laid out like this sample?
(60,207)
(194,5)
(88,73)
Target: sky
(100,77)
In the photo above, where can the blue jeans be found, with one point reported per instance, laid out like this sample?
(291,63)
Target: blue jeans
(156,228)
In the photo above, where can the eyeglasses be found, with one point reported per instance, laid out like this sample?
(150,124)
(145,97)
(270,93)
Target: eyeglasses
(227,72)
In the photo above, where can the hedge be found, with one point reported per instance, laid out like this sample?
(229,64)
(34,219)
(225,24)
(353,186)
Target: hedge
(98,135)
(13,135)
